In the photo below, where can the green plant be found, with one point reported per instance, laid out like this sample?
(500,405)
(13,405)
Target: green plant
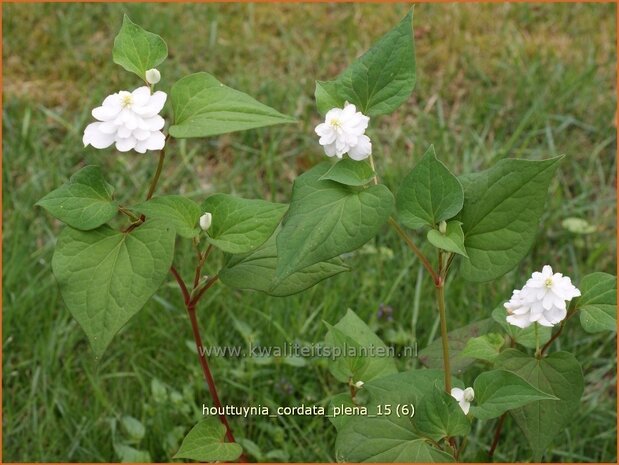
(334,209)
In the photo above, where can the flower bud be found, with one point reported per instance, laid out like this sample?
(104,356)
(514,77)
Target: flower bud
(442,227)
(469,394)
(153,76)
(205,221)
(359,384)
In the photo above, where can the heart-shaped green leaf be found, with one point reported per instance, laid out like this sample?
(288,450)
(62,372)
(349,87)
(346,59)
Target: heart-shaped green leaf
(205,107)
(380,80)
(179,212)
(206,443)
(85,202)
(350,173)
(106,276)
(498,391)
(598,302)
(429,194)
(138,50)
(241,225)
(256,270)
(558,374)
(502,209)
(372,359)
(326,219)
(439,416)
(390,436)
(486,347)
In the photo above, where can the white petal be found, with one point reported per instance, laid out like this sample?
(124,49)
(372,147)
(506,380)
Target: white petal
(154,123)
(156,141)
(362,150)
(93,136)
(140,146)
(154,105)
(330,150)
(465,406)
(124,132)
(457,394)
(141,134)
(126,144)
(333,113)
(141,96)
(106,113)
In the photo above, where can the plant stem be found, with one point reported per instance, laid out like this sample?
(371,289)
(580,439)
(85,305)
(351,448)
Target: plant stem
(538,353)
(415,249)
(190,304)
(440,297)
(373,169)
(128,213)
(181,284)
(497,435)
(153,184)
(191,310)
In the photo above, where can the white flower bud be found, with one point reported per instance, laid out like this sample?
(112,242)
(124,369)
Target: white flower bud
(442,227)
(153,76)
(359,384)
(469,395)
(205,221)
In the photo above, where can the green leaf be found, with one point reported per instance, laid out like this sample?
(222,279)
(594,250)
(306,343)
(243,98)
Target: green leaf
(327,219)
(390,437)
(256,270)
(347,363)
(432,355)
(341,401)
(106,276)
(598,302)
(525,337)
(326,96)
(486,347)
(429,194)
(241,225)
(380,80)
(371,360)
(498,391)
(350,173)
(439,416)
(451,241)
(205,107)
(502,209)
(85,202)
(558,374)
(133,427)
(138,50)
(206,443)
(179,212)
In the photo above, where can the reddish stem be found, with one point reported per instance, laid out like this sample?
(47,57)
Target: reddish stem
(191,310)
(190,304)
(497,435)
(181,284)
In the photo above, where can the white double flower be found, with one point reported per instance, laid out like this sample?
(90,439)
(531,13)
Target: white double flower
(130,120)
(344,132)
(542,300)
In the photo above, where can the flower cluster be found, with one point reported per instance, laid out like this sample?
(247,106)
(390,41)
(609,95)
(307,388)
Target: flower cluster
(130,120)
(464,398)
(542,300)
(344,132)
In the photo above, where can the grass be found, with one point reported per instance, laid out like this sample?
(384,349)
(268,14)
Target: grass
(528,81)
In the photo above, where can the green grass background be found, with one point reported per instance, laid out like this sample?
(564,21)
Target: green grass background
(529,81)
